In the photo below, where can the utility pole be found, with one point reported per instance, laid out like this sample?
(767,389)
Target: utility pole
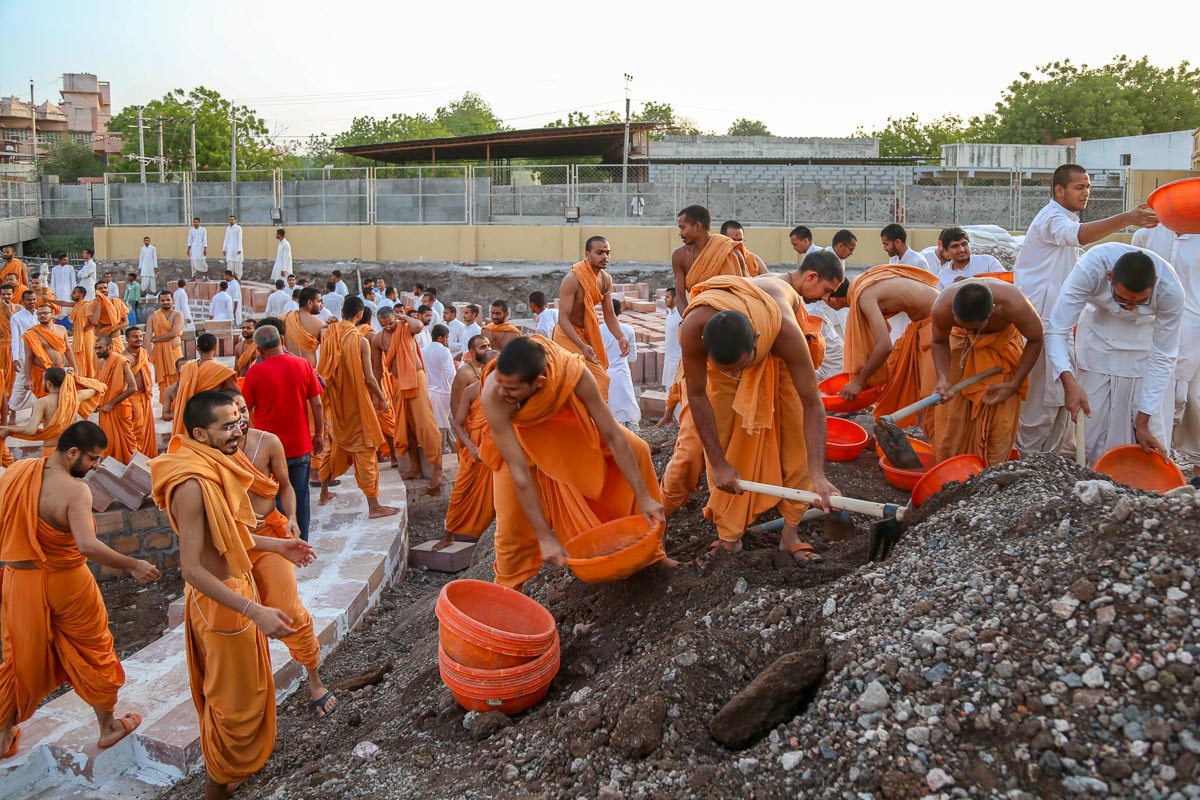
(625,154)
(233,159)
(193,151)
(141,147)
(33,119)
(162,160)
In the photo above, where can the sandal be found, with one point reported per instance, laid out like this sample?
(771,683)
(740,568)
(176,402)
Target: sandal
(321,704)
(130,723)
(804,553)
(12,750)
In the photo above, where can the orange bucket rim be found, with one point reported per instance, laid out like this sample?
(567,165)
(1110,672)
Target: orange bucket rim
(512,636)
(655,530)
(1162,467)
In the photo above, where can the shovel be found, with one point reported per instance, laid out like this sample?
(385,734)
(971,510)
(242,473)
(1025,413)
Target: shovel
(838,525)
(1080,439)
(884,534)
(892,440)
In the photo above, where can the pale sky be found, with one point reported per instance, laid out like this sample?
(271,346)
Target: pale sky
(805,69)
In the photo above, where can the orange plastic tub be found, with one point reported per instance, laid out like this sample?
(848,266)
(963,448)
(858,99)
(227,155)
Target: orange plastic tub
(1005,276)
(835,404)
(919,447)
(1178,205)
(1131,465)
(613,551)
(906,479)
(488,626)
(958,468)
(509,691)
(844,439)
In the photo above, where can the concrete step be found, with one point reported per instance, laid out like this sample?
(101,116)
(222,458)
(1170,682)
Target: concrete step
(58,754)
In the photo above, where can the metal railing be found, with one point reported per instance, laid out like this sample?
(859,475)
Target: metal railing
(19,198)
(648,194)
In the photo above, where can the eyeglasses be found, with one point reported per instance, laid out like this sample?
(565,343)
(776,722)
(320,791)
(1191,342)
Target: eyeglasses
(228,427)
(1123,303)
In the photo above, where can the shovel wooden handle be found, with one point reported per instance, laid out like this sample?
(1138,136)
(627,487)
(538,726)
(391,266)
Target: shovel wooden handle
(880,510)
(936,398)
(1080,439)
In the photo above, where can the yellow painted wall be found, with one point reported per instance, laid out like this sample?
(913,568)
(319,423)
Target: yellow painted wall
(478,243)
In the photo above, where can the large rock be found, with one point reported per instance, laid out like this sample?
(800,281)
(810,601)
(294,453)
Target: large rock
(639,731)
(774,696)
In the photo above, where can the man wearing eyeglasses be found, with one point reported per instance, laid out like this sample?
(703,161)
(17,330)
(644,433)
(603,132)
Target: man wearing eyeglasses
(1128,304)
(980,323)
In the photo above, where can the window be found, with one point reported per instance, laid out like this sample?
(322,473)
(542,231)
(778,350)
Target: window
(1126,159)
(16,135)
(82,138)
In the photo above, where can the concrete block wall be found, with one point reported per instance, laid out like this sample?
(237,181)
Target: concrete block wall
(144,534)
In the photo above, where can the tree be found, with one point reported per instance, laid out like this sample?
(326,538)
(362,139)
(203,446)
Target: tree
(748,127)
(1122,98)
(469,115)
(213,129)
(369,130)
(71,161)
(908,136)
(575,119)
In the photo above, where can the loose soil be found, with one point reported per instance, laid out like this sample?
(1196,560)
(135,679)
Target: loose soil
(137,615)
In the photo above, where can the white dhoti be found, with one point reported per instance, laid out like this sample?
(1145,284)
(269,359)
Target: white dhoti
(1114,403)
(148,285)
(22,398)
(234,265)
(622,400)
(199,265)
(1044,419)
(441,407)
(1186,438)
(670,370)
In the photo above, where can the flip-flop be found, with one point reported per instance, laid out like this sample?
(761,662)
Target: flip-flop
(12,750)
(324,701)
(130,723)
(808,555)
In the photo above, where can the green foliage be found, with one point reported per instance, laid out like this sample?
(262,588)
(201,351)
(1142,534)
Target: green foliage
(71,161)
(575,119)
(908,136)
(748,127)
(213,128)
(469,115)
(664,115)
(1122,98)
(51,246)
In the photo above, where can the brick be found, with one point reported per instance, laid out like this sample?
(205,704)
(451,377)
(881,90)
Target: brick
(144,519)
(110,522)
(653,403)
(158,540)
(101,499)
(454,558)
(168,561)
(138,472)
(125,544)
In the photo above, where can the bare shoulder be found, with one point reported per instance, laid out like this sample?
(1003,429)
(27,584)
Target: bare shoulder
(569,282)
(606,282)
(681,256)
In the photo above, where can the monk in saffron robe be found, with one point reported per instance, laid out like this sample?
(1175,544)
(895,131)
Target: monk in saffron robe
(500,331)
(567,465)
(83,334)
(245,351)
(813,280)
(226,625)
(52,617)
(45,295)
(8,375)
(753,403)
(980,323)
(45,347)
(578,328)
(109,316)
(472,508)
(140,400)
(755,266)
(703,255)
(352,395)
(69,398)
(201,375)
(116,415)
(14,266)
(395,351)
(261,454)
(165,328)
(906,368)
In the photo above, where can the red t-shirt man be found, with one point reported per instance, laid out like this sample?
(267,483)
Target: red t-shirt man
(277,390)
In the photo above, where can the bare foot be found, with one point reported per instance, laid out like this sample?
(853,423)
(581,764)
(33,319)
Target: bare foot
(444,542)
(435,483)
(412,475)
(8,745)
(326,495)
(375,510)
(667,562)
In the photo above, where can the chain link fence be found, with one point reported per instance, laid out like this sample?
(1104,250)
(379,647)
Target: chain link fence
(649,194)
(19,198)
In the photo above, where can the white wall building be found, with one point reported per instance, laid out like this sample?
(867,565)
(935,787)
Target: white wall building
(1005,157)
(1151,151)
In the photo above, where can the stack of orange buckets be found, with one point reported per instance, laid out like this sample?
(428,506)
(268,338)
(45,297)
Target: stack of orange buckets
(498,650)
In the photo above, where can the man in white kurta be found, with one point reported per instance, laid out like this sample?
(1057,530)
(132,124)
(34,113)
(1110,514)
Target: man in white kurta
(231,248)
(62,279)
(87,276)
(183,304)
(1053,245)
(332,300)
(147,268)
(833,328)
(894,239)
(1128,305)
(673,351)
(1182,251)
(622,400)
(439,371)
(20,322)
(197,248)
(283,257)
(221,307)
(277,301)
(235,293)
(457,342)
